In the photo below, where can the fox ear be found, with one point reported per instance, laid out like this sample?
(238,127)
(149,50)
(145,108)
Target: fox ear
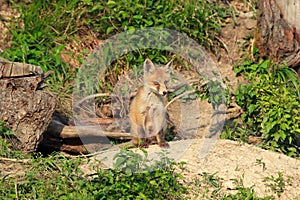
(149,66)
(168,66)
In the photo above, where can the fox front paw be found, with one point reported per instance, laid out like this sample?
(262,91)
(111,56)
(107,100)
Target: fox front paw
(164,145)
(145,145)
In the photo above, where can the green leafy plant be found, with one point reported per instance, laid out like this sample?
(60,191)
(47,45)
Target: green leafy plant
(4,131)
(244,192)
(271,103)
(137,177)
(277,184)
(210,187)
(192,17)
(59,177)
(235,131)
(216,94)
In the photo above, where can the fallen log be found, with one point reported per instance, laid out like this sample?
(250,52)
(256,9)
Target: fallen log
(50,144)
(77,139)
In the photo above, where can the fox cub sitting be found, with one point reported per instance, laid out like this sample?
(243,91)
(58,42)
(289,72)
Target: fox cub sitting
(147,113)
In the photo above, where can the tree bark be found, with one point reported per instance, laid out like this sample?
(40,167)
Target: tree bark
(278,33)
(27,109)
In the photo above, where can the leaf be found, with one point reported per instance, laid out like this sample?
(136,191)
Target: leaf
(119,162)
(131,29)
(282,135)
(297,130)
(284,126)
(137,17)
(287,116)
(252,108)
(264,64)
(111,3)
(276,136)
(109,29)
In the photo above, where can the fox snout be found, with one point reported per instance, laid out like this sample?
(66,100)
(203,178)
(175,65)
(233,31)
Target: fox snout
(161,91)
(158,88)
(164,93)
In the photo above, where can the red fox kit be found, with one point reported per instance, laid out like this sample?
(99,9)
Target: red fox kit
(147,109)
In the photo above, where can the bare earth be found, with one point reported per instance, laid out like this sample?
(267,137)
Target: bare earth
(232,160)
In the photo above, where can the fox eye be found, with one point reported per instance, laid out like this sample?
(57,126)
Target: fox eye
(155,83)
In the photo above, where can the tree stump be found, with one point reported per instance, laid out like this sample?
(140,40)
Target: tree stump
(279,30)
(24,106)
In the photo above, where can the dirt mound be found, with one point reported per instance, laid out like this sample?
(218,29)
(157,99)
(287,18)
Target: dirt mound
(233,161)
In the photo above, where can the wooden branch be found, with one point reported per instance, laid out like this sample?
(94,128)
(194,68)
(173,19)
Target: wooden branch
(92,96)
(14,160)
(90,131)
(179,96)
(99,121)
(60,130)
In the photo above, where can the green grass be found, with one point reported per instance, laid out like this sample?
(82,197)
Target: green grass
(6,147)
(45,28)
(55,176)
